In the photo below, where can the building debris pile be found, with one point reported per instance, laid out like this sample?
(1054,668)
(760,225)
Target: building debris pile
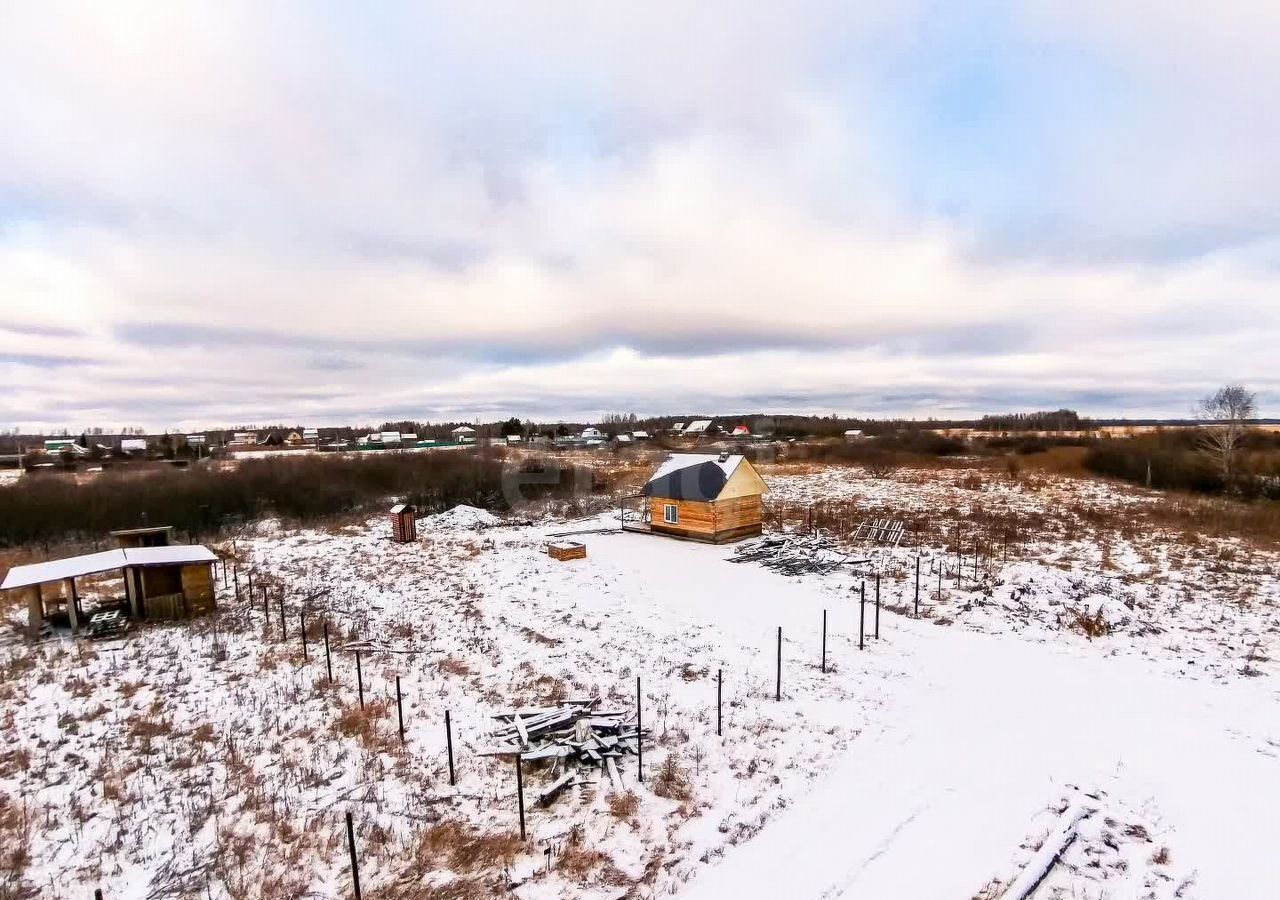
(796,554)
(881,531)
(576,735)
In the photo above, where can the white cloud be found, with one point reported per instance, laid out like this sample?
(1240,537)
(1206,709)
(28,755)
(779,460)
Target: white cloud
(253,214)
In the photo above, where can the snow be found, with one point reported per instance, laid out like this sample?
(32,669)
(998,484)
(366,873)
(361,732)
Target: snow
(990,729)
(461,517)
(56,569)
(169,555)
(677,461)
(932,764)
(104,561)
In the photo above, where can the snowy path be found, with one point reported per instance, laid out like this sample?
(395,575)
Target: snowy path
(984,732)
(932,803)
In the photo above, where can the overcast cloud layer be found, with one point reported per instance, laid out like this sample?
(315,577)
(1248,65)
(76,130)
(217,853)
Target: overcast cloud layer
(235,213)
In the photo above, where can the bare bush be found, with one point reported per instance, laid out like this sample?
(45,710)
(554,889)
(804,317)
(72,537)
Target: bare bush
(672,781)
(624,806)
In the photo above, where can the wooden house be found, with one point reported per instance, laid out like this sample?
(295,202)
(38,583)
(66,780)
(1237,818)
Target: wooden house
(706,497)
(163,582)
(404,523)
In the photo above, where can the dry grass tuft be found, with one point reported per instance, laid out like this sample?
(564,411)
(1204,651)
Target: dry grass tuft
(464,849)
(361,722)
(451,665)
(1091,626)
(15,849)
(624,806)
(538,637)
(672,781)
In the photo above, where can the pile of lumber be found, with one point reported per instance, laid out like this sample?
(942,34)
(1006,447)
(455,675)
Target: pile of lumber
(579,737)
(796,554)
(566,550)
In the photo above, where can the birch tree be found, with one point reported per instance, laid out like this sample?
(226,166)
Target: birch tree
(1224,417)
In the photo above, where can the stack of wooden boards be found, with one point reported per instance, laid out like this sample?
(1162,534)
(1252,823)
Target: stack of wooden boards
(576,735)
(564,550)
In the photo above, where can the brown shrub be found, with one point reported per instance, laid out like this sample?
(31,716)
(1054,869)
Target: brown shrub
(672,781)
(1091,626)
(624,806)
(147,728)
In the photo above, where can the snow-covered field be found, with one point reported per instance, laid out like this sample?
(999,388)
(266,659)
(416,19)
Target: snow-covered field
(211,759)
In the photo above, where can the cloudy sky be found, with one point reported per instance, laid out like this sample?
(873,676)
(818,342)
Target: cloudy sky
(254,212)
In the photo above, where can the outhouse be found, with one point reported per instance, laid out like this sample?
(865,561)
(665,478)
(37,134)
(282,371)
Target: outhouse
(404,523)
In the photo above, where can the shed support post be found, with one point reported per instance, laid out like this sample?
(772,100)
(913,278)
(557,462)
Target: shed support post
(132,589)
(72,613)
(35,611)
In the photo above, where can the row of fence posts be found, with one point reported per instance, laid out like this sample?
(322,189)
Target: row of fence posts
(400,722)
(351,840)
(862,636)
(360,677)
(976,556)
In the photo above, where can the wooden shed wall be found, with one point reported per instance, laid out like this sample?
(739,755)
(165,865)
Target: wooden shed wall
(696,517)
(160,581)
(717,520)
(197,586)
(738,512)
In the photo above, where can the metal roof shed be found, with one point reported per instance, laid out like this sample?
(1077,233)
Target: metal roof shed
(160,582)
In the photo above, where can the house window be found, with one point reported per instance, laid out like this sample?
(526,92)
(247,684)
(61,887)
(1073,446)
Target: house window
(671,514)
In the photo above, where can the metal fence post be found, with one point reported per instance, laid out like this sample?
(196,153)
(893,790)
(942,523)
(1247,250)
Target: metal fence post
(351,847)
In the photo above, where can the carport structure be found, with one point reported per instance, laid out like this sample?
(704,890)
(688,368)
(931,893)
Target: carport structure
(159,583)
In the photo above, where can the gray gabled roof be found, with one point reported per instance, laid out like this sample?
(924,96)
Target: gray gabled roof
(692,476)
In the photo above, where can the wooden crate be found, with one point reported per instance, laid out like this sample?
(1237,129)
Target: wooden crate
(563,550)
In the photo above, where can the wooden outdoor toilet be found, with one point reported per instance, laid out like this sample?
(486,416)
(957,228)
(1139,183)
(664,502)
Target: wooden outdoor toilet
(404,523)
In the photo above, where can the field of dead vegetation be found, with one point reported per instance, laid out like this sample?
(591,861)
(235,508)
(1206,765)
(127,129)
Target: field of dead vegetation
(217,758)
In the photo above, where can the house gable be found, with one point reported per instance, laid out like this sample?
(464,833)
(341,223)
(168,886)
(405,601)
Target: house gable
(744,482)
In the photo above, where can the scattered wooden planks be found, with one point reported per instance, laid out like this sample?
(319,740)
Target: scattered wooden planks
(796,554)
(577,734)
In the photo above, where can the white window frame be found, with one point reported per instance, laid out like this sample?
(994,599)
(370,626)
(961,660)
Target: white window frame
(671,513)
